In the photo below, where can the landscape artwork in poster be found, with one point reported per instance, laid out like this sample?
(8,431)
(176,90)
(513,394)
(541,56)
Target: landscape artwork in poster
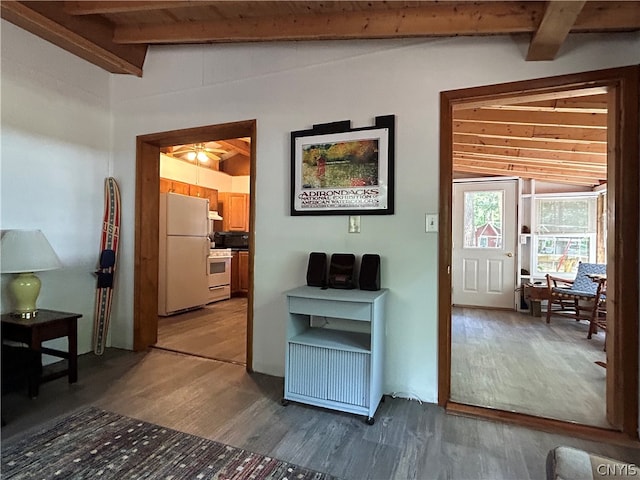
(342,172)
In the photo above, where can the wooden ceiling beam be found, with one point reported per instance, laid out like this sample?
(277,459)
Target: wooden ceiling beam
(89,39)
(237,145)
(559,17)
(540,145)
(591,103)
(532,117)
(551,106)
(126,6)
(608,15)
(510,99)
(433,19)
(569,167)
(543,132)
(530,143)
(538,155)
(573,179)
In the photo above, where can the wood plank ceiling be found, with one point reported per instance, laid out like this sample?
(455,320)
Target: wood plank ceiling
(550,139)
(562,139)
(231,156)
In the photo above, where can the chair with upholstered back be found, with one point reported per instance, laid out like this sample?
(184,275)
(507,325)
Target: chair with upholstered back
(578,298)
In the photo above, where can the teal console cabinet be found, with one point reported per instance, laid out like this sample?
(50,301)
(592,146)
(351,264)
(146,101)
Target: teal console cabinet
(335,349)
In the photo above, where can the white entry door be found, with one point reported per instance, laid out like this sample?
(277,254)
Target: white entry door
(484,241)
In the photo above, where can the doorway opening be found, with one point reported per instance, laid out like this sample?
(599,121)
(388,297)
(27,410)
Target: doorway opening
(620,86)
(148,186)
(213,325)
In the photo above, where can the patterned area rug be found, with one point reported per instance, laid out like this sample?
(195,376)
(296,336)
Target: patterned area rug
(96,444)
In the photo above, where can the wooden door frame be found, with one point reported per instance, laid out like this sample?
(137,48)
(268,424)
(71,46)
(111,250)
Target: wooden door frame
(623,256)
(145,301)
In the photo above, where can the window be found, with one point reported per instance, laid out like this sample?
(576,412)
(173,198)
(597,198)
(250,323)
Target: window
(483,219)
(565,234)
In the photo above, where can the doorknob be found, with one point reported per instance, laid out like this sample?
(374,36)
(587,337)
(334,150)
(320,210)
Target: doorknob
(509,254)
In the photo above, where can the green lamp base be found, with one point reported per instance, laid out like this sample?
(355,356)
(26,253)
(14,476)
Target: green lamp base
(25,288)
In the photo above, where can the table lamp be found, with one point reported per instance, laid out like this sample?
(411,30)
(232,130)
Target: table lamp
(24,252)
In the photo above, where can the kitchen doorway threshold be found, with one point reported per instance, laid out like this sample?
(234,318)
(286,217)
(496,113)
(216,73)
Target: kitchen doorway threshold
(206,357)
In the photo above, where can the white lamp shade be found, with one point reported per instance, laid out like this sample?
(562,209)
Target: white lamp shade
(26,251)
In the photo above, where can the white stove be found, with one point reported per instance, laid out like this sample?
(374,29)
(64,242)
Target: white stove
(219,274)
(220,252)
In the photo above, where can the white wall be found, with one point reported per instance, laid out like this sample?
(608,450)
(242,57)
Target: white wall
(240,184)
(56,104)
(190,173)
(293,86)
(55,157)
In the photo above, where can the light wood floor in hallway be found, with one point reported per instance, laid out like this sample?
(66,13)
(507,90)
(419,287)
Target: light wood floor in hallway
(221,401)
(514,361)
(217,331)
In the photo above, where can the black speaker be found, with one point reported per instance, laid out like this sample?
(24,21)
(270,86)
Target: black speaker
(317,269)
(341,271)
(370,272)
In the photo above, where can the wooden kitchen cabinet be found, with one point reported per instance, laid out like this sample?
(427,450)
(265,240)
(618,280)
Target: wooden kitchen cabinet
(235,274)
(213,199)
(243,266)
(198,191)
(173,186)
(234,208)
(240,274)
(203,192)
(165,185)
(180,187)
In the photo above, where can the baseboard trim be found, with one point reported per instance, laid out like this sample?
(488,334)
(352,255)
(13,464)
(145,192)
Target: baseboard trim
(548,425)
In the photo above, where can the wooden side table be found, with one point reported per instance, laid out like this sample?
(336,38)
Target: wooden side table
(535,294)
(46,325)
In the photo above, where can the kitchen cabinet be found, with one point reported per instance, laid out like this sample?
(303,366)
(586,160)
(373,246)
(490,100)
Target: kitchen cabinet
(235,274)
(203,192)
(198,191)
(173,186)
(234,208)
(240,274)
(165,185)
(243,267)
(335,349)
(213,199)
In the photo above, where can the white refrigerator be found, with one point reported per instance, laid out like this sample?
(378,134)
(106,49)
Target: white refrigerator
(184,249)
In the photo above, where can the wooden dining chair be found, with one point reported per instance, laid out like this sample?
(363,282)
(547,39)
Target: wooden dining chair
(599,317)
(579,298)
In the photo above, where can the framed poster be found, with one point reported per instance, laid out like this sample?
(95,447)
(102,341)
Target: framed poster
(337,170)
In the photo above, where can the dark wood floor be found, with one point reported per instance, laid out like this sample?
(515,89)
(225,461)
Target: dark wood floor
(221,401)
(217,331)
(517,362)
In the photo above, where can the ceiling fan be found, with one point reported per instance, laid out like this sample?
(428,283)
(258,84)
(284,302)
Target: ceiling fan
(202,152)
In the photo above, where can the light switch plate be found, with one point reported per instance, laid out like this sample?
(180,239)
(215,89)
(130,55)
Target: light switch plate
(354,224)
(432,222)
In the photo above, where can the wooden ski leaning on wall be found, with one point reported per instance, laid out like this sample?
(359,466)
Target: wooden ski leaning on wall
(107,264)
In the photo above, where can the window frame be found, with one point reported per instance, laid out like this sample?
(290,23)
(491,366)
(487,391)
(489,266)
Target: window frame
(536,235)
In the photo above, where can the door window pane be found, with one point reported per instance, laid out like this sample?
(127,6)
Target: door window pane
(483,219)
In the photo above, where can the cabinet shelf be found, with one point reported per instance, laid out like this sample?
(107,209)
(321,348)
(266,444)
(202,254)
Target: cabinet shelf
(335,339)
